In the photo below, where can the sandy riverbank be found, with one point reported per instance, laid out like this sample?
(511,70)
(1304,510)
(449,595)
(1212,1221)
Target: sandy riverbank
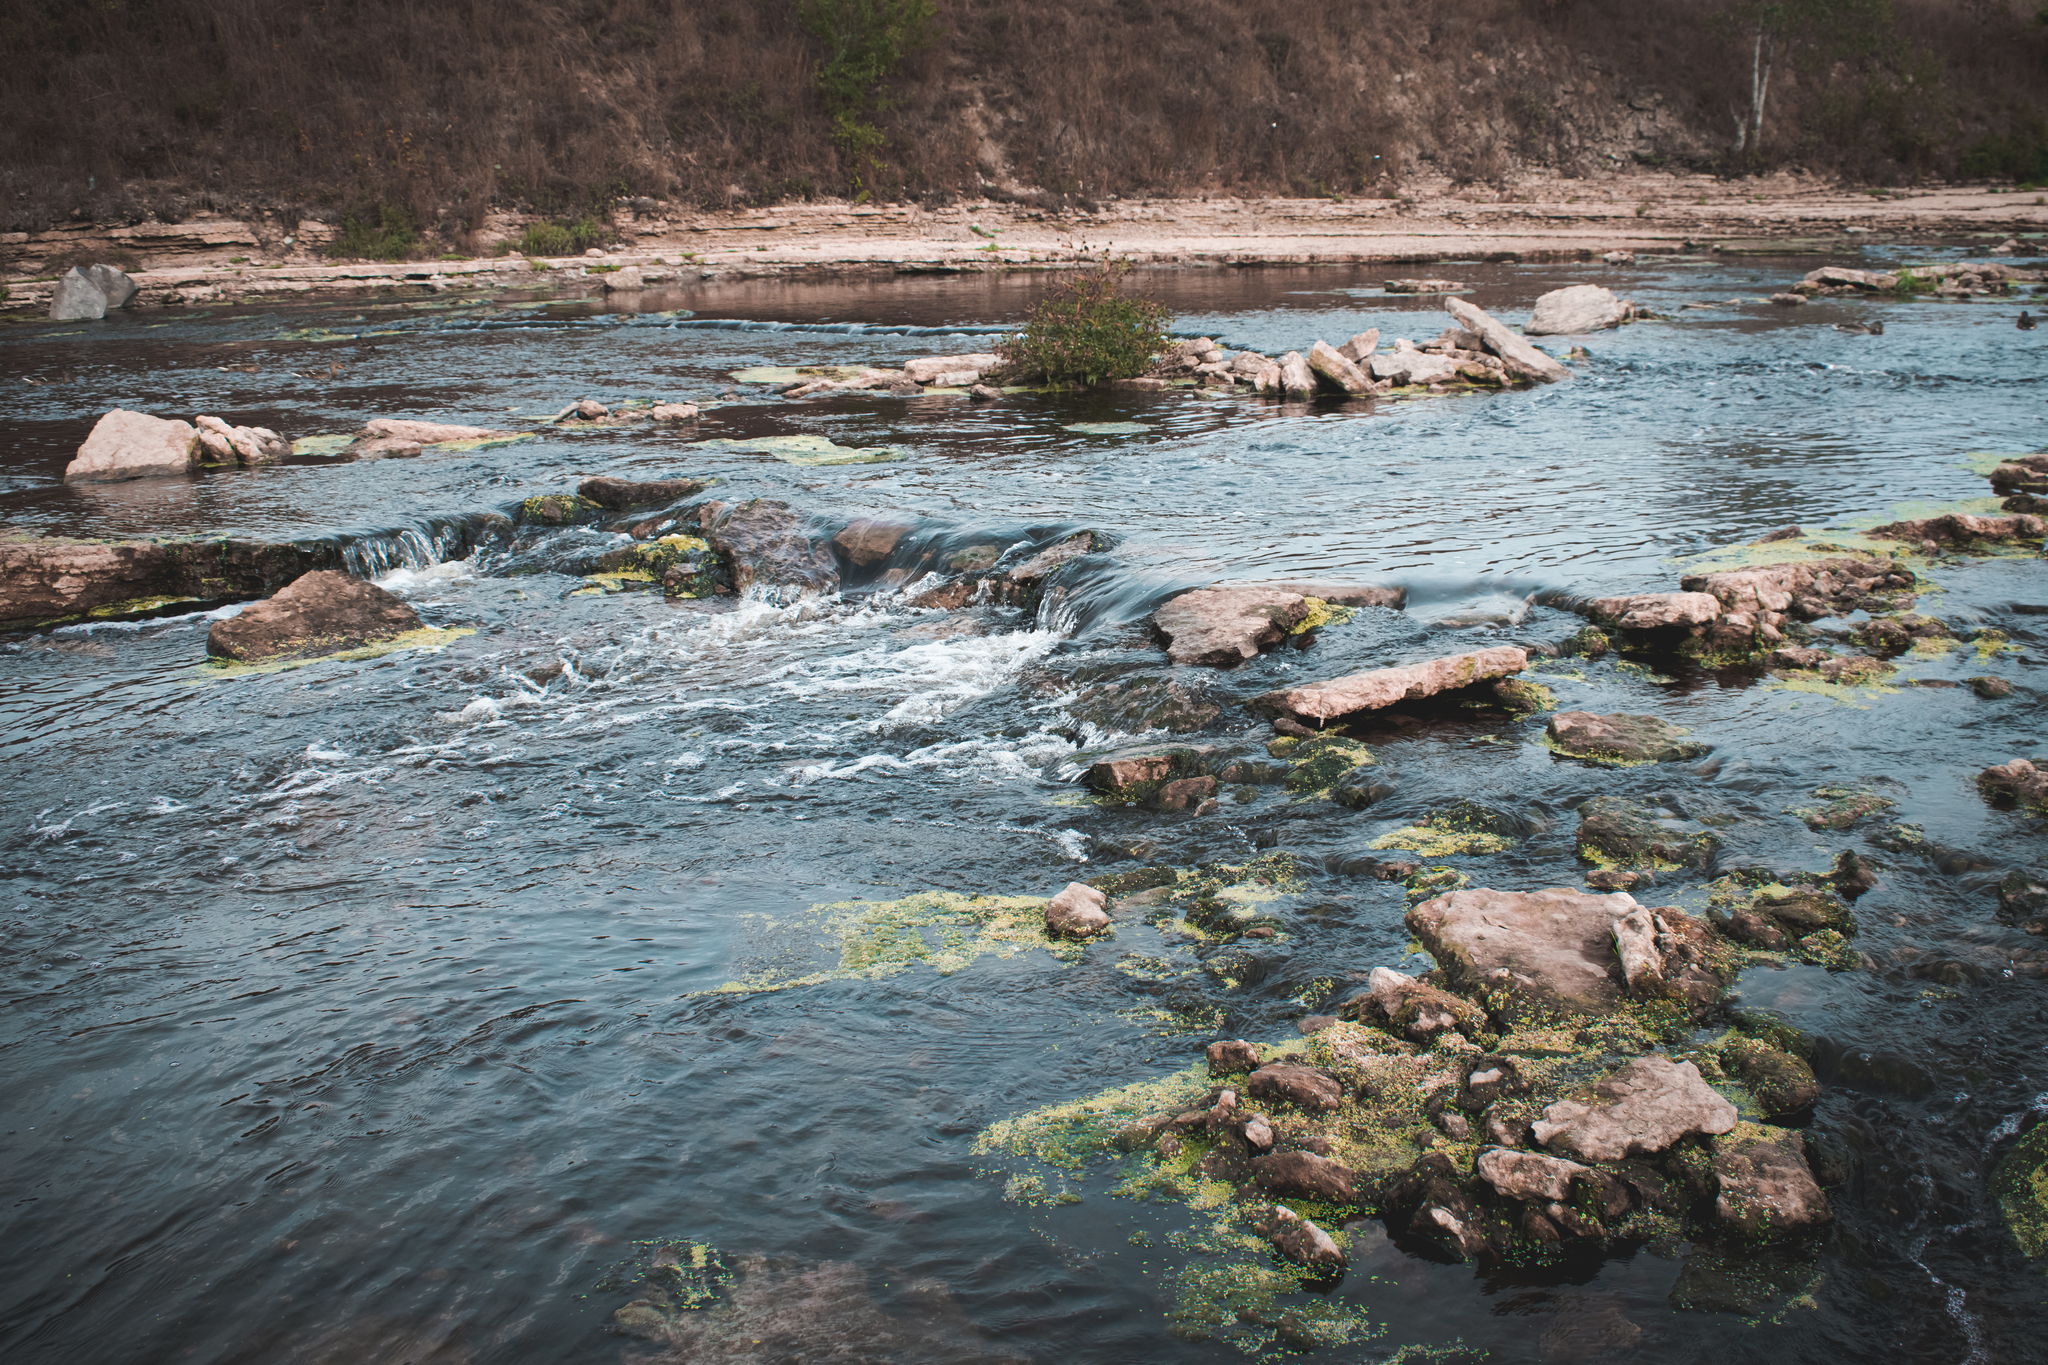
(213,259)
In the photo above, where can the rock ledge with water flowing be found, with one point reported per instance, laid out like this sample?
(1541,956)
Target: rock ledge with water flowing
(323,612)
(52,580)
(1382,687)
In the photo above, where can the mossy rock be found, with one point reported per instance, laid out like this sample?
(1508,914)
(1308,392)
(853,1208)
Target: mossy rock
(1615,832)
(558,509)
(1461,827)
(1590,642)
(1315,764)
(1523,698)
(2020,1184)
(1842,807)
(1828,949)
(1784,1086)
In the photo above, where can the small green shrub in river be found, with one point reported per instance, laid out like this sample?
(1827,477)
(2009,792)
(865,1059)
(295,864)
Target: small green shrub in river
(1087,331)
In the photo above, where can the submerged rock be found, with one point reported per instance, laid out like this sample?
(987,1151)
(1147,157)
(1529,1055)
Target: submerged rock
(2018,782)
(1783,1084)
(1640,1110)
(871,540)
(1619,738)
(1574,310)
(319,613)
(1134,705)
(623,495)
(1619,832)
(133,445)
(1384,686)
(1222,626)
(1076,912)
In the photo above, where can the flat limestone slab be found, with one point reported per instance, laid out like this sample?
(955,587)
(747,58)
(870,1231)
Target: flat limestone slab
(1554,948)
(1640,1110)
(1224,626)
(1385,686)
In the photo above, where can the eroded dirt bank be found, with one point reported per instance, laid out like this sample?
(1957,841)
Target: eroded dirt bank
(211,258)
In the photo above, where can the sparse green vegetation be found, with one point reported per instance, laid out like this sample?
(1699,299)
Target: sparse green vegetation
(562,238)
(384,233)
(1088,331)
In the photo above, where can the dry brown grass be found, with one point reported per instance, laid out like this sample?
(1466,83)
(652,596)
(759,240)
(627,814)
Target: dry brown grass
(448,107)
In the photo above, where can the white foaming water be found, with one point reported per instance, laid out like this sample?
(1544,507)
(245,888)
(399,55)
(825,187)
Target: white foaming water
(433,580)
(165,623)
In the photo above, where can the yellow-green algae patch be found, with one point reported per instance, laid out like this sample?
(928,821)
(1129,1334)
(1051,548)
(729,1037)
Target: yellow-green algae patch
(331,444)
(1856,698)
(944,930)
(2020,1184)
(1430,842)
(1319,615)
(793,374)
(805,450)
(426,637)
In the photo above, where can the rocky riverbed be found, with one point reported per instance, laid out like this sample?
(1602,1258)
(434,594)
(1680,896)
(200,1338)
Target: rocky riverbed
(640,862)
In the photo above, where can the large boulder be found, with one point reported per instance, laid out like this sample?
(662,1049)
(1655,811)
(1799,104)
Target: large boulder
(1337,371)
(1764,1185)
(1619,738)
(1528,953)
(114,283)
(766,544)
(319,613)
(871,540)
(1806,589)
(133,445)
(1359,349)
(1656,610)
(77,297)
(1222,626)
(1640,1110)
(1523,361)
(1575,310)
(1384,686)
(623,495)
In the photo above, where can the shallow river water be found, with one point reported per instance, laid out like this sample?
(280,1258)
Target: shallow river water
(264,934)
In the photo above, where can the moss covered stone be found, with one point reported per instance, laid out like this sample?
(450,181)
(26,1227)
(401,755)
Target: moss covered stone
(1617,832)
(2020,1184)
(1841,807)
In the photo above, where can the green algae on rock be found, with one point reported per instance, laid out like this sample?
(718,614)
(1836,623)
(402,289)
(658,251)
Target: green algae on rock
(1618,832)
(1461,827)
(2020,1184)
(944,930)
(1843,807)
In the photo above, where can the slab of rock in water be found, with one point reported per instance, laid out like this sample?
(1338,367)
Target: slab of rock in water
(1345,594)
(133,445)
(44,580)
(1523,360)
(1384,686)
(1962,529)
(1656,610)
(1426,287)
(1764,1184)
(1619,738)
(1574,310)
(950,369)
(1616,830)
(623,495)
(1337,371)
(766,544)
(1640,1110)
(1134,705)
(1529,952)
(1134,775)
(400,437)
(1296,379)
(1223,626)
(871,540)
(318,613)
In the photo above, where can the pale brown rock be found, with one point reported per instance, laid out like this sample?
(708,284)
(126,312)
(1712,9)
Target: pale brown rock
(250,446)
(1344,594)
(1523,361)
(1296,379)
(1222,626)
(928,369)
(382,436)
(1414,1009)
(1960,529)
(1656,610)
(1385,686)
(1528,1175)
(1230,1056)
(133,445)
(1302,1086)
(1622,737)
(1576,310)
(2017,780)
(1640,1110)
(1336,371)
(1299,1240)
(1304,1175)
(1359,349)
(1635,943)
(1765,1185)
(1410,366)
(1554,948)
(673,412)
(623,495)
(320,613)
(871,540)
(1186,793)
(1076,912)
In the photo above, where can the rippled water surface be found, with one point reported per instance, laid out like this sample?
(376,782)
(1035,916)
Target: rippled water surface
(383,1011)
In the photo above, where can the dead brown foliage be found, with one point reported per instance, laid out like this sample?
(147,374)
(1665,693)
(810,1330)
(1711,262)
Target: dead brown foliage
(128,107)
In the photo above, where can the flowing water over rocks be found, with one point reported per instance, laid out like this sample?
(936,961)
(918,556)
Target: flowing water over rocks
(647,957)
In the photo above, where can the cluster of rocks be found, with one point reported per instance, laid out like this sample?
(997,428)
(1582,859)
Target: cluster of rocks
(1951,279)
(588,412)
(1517,1097)
(134,445)
(87,292)
(2022,480)
(926,372)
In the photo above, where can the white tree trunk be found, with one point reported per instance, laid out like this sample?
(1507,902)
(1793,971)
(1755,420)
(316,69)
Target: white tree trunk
(1759,85)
